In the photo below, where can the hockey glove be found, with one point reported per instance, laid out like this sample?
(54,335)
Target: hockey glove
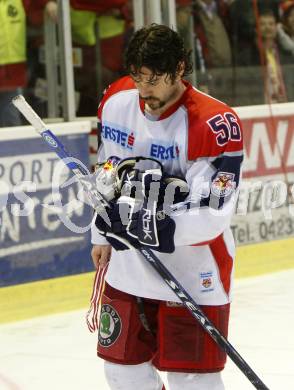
(140,215)
(121,214)
(142,220)
(134,224)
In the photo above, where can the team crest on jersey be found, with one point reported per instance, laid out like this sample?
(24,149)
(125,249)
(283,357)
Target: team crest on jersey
(223,184)
(110,326)
(121,136)
(206,281)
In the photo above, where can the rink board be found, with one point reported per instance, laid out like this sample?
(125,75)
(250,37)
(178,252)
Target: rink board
(42,232)
(74,292)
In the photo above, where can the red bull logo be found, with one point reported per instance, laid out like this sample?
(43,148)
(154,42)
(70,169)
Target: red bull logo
(206,282)
(223,184)
(111,163)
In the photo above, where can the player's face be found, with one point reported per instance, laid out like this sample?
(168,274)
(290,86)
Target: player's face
(156,90)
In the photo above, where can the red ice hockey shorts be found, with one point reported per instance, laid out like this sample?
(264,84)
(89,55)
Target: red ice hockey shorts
(174,342)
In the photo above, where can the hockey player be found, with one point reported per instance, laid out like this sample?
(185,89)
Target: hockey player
(153,112)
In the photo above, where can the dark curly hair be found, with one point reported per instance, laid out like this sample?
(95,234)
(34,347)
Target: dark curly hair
(158,48)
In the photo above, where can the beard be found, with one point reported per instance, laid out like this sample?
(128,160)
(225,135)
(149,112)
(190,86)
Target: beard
(155,103)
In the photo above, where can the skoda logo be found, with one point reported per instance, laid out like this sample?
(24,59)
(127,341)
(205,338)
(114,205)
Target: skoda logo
(110,326)
(50,140)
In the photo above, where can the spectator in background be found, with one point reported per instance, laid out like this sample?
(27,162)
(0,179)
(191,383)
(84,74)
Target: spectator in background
(13,74)
(273,57)
(212,33)
(213,48)
(112,18)
(242,23)
(113,39)
(13,56)
(87,18)
(184,13)
(267,52)
(286,28)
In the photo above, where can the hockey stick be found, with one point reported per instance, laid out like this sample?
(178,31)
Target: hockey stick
(148,255)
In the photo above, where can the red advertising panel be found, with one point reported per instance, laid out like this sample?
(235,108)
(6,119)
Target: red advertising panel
(265,209)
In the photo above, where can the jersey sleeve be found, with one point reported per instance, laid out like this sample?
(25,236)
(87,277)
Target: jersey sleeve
(215,152)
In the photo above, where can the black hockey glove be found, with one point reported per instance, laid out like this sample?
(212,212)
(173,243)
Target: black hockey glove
(118,233)
(141,220)
(134,226)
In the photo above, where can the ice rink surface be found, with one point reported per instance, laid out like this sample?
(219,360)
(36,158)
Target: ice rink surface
(58,352)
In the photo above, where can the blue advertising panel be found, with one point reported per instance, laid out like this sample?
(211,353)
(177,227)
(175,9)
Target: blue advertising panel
(44,228)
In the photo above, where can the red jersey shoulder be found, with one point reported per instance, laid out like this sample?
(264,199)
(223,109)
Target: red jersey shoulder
(122,84)
(214,127)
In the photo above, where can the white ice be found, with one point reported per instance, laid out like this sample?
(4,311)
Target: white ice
(58,352)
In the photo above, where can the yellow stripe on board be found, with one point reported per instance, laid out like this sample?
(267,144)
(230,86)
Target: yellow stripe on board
(266,257)
(45,297)
(73,292)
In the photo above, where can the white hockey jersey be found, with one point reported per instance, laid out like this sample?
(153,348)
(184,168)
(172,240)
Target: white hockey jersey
(200,139)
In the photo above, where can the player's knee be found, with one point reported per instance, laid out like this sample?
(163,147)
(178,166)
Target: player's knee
(181,380)
(132,377)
